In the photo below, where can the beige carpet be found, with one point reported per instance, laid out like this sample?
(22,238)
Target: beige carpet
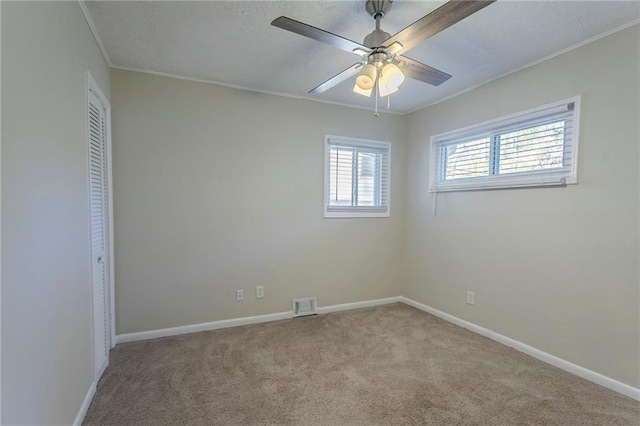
(389,365)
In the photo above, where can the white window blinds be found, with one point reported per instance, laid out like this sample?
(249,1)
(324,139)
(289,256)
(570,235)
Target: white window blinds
(356,177)
(532,148)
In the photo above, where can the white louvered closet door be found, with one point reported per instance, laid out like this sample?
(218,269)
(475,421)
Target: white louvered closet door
(99,240)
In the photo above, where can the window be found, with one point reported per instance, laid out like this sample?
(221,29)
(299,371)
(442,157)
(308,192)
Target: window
(356,177)
(533,148)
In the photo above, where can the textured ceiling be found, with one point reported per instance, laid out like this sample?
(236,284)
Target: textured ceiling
(233,43)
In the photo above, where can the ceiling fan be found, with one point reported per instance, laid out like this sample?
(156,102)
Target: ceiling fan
(381,62)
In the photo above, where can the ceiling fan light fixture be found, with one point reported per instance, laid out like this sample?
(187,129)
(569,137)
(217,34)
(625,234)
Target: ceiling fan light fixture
(362,92)
(366,78)
(385,90)
(392,77)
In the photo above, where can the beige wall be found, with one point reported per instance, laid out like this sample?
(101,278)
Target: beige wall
(218,189)
(46,288)
(555,268)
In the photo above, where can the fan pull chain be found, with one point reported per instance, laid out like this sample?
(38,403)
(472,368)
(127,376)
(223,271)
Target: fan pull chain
(388,101)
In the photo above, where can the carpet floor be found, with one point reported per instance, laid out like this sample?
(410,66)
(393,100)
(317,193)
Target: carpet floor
(388,365)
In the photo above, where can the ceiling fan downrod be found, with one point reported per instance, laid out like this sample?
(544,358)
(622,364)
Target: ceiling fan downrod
(377,9)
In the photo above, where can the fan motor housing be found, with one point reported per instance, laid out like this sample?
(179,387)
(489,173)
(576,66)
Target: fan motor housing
(375,38)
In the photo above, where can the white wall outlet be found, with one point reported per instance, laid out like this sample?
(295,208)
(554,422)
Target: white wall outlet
(239,295)
(471,297)
(259,292)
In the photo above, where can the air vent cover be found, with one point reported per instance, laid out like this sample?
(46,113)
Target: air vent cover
(305,306)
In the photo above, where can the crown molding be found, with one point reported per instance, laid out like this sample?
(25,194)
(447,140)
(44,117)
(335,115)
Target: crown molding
(249,89)
(92,27)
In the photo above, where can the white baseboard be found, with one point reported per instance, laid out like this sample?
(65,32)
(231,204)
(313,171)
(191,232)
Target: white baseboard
(356,305)
(587,374)
(85,405)
(590,375)
(194,328)
(215,325)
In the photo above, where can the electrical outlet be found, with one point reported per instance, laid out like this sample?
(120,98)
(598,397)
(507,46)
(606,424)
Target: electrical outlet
(259,292)
(471,297)
(239,295)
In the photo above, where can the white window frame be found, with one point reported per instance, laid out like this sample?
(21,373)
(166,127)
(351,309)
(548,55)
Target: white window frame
(560,176)
(355,211)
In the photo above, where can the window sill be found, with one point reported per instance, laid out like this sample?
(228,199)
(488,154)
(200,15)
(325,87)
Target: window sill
(503,183)
(355,214)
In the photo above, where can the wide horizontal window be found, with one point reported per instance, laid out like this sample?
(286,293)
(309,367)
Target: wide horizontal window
(533,148)
(356,177)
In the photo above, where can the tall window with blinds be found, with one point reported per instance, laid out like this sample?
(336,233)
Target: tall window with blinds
(356,177)
(538,147)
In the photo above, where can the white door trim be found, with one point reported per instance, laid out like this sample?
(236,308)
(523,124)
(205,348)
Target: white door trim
(92,87)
